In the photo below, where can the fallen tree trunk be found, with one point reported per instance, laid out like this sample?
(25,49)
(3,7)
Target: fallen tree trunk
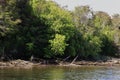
(66,58)
(74,59)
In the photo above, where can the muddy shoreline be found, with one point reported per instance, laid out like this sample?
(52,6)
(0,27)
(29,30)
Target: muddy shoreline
(28,64)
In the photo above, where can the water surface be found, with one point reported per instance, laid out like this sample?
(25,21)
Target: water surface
(61,73)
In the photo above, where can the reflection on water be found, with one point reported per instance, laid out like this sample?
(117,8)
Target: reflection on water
(61,73)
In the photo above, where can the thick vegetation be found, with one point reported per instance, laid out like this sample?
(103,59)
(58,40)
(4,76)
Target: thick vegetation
(43,29)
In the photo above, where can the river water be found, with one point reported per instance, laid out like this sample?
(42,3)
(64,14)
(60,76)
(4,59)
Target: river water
(61,73)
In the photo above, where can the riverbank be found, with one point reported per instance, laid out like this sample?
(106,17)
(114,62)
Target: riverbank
(112,62)
(16,64)
(28,64)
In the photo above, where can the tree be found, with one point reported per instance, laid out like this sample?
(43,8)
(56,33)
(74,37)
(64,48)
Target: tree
(8,23)
(58,44)
(103,18)
(87,44)
(105,31)
(55,21)
(116,27)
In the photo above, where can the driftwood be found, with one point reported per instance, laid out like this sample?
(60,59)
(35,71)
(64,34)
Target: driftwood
(64,59)
(74,59)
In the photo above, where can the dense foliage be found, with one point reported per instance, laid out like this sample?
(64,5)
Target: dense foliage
(43,29)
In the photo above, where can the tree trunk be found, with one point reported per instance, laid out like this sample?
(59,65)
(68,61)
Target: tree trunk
(3,54)
(74,59)
(66,58)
